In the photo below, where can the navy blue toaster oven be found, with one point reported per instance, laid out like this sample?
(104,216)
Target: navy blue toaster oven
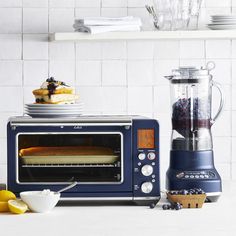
(111,157)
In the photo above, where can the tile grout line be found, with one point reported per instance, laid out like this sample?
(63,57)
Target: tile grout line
(126,77)
(48,41)
(231,108)
(22,56)
(153,78)
(75,57)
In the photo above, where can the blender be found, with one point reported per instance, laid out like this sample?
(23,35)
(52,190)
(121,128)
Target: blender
(191,156)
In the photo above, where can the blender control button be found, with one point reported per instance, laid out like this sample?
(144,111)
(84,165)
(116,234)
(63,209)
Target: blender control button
(146,187)
(197,176)
(211,174)
(191,176)
(186,176)
(201,176)
(141,156)
(139,164)
(153,180)
(153,176)
(151,156)
(180,175)
(206,176)
(147,170)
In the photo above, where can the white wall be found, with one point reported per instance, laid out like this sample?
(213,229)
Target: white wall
(111,77)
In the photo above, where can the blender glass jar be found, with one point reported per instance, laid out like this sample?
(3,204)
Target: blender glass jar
(191,99)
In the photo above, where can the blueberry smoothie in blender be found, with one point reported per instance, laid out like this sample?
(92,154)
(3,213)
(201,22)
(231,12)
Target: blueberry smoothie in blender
(191,155)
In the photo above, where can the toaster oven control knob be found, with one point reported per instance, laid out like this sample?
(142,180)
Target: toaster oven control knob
(146,187)
(151,156)
(147,170)
(141,156)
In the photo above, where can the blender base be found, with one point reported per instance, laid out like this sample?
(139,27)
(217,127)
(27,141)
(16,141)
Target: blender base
(194,169)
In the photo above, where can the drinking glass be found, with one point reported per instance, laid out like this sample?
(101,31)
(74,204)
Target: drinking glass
(177,14)
(195,6)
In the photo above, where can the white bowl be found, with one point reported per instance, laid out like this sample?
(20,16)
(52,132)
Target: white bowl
(39,202)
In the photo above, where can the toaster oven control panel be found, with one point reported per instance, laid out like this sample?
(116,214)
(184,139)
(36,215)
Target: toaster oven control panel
(146,159)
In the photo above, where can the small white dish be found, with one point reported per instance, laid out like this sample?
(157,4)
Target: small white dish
(40,202)
(221,27)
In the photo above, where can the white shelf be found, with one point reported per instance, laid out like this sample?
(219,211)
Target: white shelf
(145,35)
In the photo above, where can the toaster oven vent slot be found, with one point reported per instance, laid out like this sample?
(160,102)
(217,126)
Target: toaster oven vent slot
(117,164)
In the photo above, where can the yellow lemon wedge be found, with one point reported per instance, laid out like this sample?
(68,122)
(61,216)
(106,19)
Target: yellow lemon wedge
(3,206)
(6,195)
(17,206)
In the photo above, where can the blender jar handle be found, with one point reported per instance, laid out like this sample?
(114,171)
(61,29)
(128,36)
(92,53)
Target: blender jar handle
(222,101)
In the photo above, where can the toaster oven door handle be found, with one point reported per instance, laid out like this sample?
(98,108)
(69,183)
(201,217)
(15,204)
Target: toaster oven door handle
(15,124)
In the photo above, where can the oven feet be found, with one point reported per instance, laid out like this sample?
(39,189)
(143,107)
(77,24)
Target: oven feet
(150,203)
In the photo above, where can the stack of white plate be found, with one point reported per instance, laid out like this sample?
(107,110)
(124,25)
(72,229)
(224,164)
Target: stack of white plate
(53,110)
(222,22)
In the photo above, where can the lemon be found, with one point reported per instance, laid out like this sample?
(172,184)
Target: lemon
(4,206)
(17,206)
(6,195)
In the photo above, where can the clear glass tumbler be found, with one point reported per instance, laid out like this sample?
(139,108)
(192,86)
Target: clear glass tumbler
(177,14)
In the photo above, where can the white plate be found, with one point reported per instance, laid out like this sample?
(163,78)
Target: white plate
(53,109)
(54,112)
(53,115)
(221,27)
(54,105)
(223,16)
(223,22)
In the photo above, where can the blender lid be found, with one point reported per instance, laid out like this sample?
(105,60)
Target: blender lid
(190,74)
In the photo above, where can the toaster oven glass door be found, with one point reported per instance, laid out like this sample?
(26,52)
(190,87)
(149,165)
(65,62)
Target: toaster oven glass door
(64,157)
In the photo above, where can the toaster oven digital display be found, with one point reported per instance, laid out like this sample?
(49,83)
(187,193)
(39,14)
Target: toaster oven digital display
(146,138)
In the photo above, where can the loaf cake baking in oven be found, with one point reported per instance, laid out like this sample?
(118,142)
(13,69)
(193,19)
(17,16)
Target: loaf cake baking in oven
(68,155)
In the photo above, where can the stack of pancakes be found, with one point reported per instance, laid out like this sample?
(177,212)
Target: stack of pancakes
(55,92)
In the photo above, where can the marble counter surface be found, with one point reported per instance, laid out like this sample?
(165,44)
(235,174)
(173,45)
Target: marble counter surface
(107,220)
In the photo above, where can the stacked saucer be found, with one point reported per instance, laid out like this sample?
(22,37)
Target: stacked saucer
(222,22)
(54,110)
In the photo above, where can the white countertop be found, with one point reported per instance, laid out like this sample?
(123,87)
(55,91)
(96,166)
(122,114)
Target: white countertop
(213,219)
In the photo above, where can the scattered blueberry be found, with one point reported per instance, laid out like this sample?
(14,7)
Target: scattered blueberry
(174,206)
(177,206)
(166,206)
(38,100)
(192,191)
(183,192)
(200,191)
(152,205)
(51,79)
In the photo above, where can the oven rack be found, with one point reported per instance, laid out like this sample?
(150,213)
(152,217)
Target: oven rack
(117,164)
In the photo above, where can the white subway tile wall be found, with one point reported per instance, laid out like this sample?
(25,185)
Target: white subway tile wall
(35,20)
(120,77)
(35,3)
(60,19)
(62,3)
